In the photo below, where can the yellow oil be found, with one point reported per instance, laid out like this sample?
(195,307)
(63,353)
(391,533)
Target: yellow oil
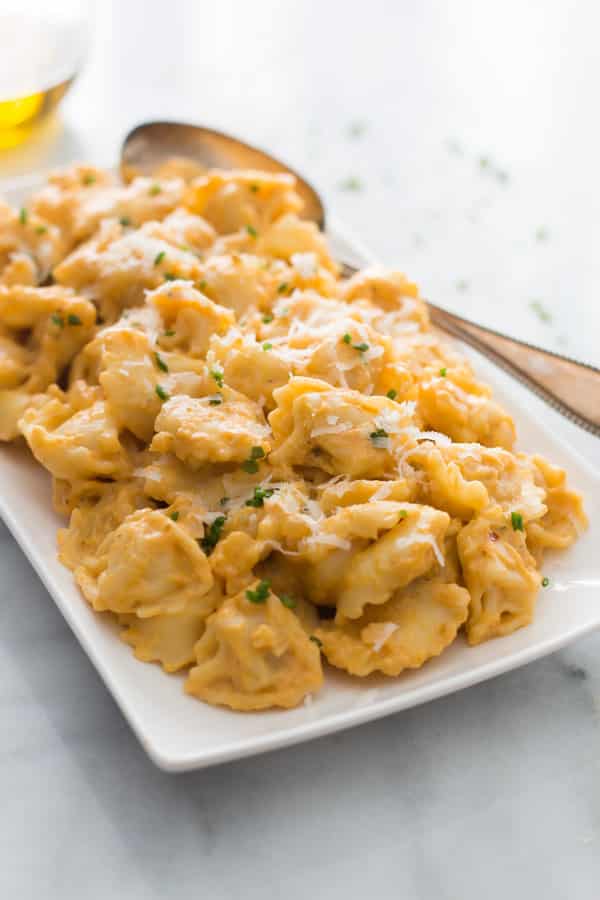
(40,58)
(18,117)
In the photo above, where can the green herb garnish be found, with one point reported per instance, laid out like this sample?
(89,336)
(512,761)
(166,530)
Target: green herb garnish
(23,216)
(174,515)
(282,287)
(250,465)
(58,320)
(261,593)
(125,221)
(169,332)
(218,377)
(378,435)
(161,363)
(168,276)
(352,183)
(161,392)
(268,318)
(267,346)
(392,394)
(41,229)
(545,581)
(252,231)
(362,348)
(516,520)
(154,190)
(73,319)
(202,285)
(212,534)
(159,257)
(288,601)
(443,371)
(543,314)
(316,640)
(215,400)
(255,188)
(259,497)
(89,179)
(347,339)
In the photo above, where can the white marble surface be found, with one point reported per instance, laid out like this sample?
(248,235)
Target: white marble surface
(493,792)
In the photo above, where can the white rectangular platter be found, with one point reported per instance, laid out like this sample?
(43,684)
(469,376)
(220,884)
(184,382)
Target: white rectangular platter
(180,733)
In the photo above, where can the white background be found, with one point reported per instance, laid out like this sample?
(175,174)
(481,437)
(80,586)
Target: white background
(476,159)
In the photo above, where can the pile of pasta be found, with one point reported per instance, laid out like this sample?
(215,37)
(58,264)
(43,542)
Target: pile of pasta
(263,465)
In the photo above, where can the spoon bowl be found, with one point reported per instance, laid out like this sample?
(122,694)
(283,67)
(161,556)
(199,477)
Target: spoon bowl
(149,145)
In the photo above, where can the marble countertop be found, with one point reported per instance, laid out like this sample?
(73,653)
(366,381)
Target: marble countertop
(460,141)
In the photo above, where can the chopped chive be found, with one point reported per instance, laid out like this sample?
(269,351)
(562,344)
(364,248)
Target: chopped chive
(73,319)
(516,520)
(392,394)
(154,190)
(378,433)
(125,221)
(352,183)
(316,640)
(545,581)
(267,346)
(168,276)
(543,314)
(260,495)
(159,257)
(250,466)
(202,285)
(255,188)
(282,287)
(23,216)
(169,332)
(288,601)
(161,392)
(215,400)
(403,513)
(362,348)
(252,231)
(161,363)
(41,229)
(257,453)
(174,515)
(218,377)
(443,371)
(223,501)
(268,318)
(89,179)
(347,339)
(263,589)
(58,320)
(212,534)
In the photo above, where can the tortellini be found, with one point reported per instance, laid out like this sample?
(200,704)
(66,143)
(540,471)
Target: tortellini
(264,466)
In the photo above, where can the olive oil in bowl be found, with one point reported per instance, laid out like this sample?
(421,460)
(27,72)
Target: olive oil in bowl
(40,58)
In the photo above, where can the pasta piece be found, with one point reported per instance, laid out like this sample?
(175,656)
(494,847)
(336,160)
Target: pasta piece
(118,265)
(454,403)
(565,518)
(234,200)
(189,318)
(198,432)
(500,575)
(418,623)
(148,566)
(255,654)
(408,550)
(341,432)
(169,639)
(74,437)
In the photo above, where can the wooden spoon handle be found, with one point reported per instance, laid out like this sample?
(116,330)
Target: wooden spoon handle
(572,388)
